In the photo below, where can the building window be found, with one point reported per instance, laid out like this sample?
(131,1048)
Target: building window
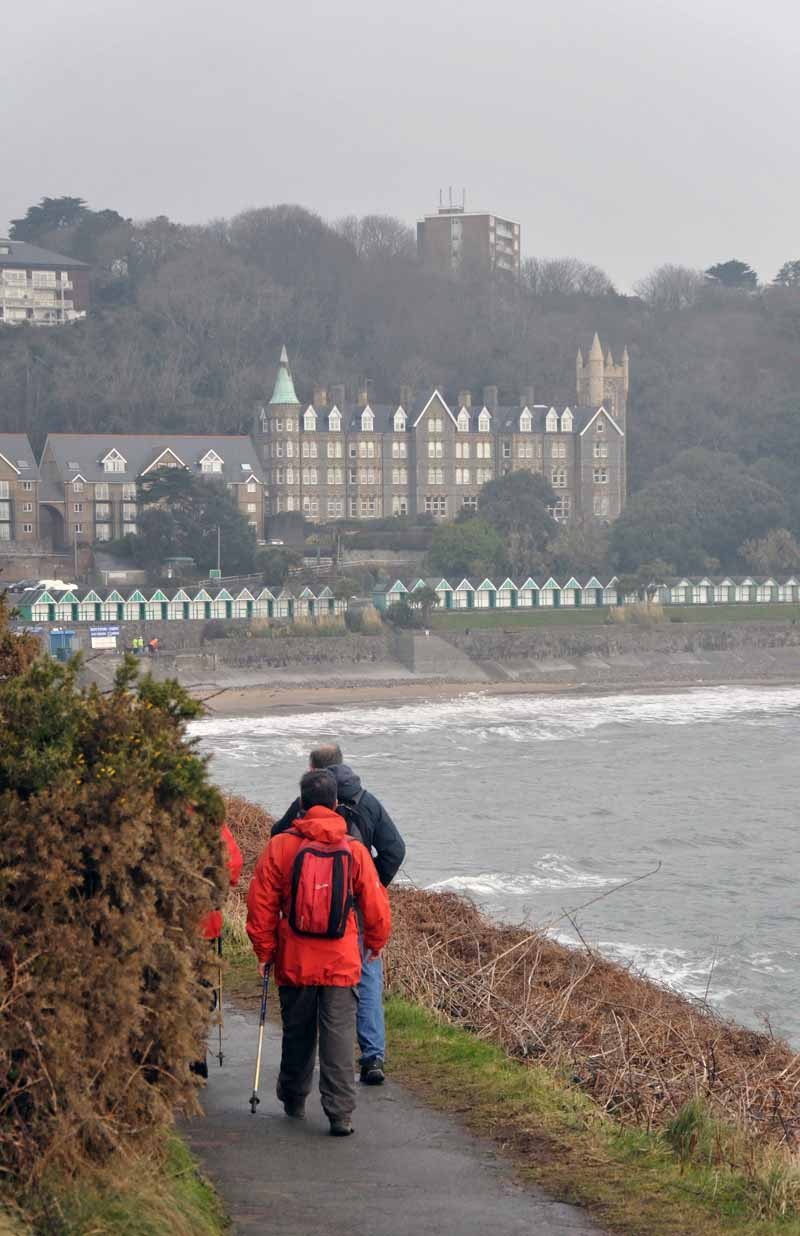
(289,425)
(101,491)
(463,421)
(462,476)
(279,450)
(310,420)
(601,504)
(77,528)
(211,463)
(558,478)
(336,507)
(277,425)
(279,476)
(291,504)
(506,450)
(399,505)
(436,476)
(367,476)
(367,421)
(484,423)
(399,421)
(290,450)
(551,421)
(483,450)
(435,424)
(43,278)
(290,481)
(129,512)
(369,506)
(251,508)
(600,427)
(600,475)
(353,476)
(435,450)
(27,486)
(352,450)
(102,532)
(559,450)
(525,422)
(5,532)
(113,462)
(251,487)
(335,421)
(27,508)
(561,508)
(483,475)
(436,504)
(469,502)
(27,527)
(77,507)
(600,450)
(525,450)
(399,476)
(311,506)
(353,507)
(77,487)
(399,450)
(102,510)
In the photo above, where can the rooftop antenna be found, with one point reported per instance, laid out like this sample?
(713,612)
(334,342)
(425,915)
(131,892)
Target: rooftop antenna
(463,199)
(440,199)
(451,197)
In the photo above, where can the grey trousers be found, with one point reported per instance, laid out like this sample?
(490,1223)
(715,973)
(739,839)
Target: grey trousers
(331,1011)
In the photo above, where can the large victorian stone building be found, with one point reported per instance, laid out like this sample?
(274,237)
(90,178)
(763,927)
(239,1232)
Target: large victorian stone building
(334,459)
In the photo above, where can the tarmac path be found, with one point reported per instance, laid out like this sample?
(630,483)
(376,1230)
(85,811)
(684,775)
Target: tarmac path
(407,1171)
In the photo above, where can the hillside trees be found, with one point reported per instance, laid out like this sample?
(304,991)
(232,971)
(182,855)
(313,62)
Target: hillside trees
(466,548)
(516,507)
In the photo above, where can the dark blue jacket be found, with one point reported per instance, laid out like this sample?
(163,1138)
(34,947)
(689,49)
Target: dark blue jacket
(380,832)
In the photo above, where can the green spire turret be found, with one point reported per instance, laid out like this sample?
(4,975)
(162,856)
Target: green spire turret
(283,391)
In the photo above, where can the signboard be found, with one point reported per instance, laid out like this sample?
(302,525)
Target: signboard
(103,637)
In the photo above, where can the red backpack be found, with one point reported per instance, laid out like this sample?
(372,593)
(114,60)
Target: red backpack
(322,889)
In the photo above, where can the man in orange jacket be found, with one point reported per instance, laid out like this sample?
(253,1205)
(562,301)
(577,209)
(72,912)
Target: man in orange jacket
(301,919)
(211,926)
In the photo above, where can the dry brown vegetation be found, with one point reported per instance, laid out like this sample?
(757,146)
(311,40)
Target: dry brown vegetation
(643,1052)
(250,826)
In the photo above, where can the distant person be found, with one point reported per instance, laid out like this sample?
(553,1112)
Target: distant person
(367,821)
(153,646)
(301,919)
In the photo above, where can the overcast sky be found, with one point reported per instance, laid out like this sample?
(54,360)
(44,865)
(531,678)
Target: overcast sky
(627,133)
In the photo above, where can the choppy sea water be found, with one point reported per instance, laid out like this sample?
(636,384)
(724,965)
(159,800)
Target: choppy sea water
(534,806)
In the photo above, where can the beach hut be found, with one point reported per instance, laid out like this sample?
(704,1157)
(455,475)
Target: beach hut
(264,604)
(89,607)
(200,605)
(156,608)
(680,592)
(113,607)
(389,594)
(528,596)
(766,590)
(486,595)
(571,593)
(550,594)
(444,591)
(610,592)
(134,607)
(306,604)
(43,608)
(745,589)
(723,590)
(592,592)
(702,591)
(66,607)
(222,604)
(243,604)
(464,595)
(178,606)
(285,604)
(788,591)
(326,603)
(508,595)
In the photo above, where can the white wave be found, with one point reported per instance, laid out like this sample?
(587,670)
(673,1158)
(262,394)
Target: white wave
(552,871)
(518,719)
(674,967)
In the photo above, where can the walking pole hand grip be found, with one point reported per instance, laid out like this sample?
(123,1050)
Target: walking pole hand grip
(254,1099)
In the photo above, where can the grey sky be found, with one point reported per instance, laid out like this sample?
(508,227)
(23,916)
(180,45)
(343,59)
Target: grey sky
(627,133)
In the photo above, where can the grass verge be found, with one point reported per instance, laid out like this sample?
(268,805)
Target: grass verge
(513,619)
(632,1182)
(159,1194)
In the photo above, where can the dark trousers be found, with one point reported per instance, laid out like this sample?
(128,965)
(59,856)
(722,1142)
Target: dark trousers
(331,1011)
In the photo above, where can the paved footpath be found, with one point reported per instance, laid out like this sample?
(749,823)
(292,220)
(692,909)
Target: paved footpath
(407,1171)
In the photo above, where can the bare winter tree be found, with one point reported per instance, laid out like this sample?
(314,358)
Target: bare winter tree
(566,277)
(377,234)
(671,287)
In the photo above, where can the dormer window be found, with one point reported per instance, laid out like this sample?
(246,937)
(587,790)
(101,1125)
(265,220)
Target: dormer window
(600,427)
(526,422)
(463,421)
(551,421)
(566,421)
(335,421)
(211,462)
(367,421)
(484,422)
(251,487)
(310,420)
(399,421)
(114,462)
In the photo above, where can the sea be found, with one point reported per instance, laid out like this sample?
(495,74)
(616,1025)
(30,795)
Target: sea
(662,828)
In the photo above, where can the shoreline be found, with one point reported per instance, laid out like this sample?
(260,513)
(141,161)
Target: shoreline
(265,700)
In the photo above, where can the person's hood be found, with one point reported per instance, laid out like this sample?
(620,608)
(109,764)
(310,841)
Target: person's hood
(321,824)
(348,783)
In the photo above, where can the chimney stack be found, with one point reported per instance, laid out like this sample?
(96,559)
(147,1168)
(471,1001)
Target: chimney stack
(490,398)
(320,398)
(465,399)
(337,395)
(527,396)
(406,397)
(363,394)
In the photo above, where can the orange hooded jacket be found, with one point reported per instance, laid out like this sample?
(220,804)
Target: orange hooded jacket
(211,926)
(306,961)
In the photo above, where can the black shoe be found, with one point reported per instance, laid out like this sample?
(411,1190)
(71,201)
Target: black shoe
(342,1127)
(295,1109)
(372,1073)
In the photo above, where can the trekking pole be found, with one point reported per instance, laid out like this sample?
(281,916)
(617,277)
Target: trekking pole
(254,1099)
(220,1019)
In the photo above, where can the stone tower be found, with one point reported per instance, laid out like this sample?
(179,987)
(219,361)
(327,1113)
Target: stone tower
(600,381)
(277,441)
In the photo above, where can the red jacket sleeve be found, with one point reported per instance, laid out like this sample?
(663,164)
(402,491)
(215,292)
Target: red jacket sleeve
(234,855)
(264,904)
(372,899)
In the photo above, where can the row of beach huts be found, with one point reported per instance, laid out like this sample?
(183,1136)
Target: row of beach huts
(295,603)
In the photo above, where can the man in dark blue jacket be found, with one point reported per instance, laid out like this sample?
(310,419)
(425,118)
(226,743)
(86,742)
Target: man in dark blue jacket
(367,819)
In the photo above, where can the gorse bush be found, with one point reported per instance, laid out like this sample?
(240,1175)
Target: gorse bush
(109,857)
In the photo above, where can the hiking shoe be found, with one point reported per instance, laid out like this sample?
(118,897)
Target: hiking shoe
(342,1127)
(372,1073)
(295,1109)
